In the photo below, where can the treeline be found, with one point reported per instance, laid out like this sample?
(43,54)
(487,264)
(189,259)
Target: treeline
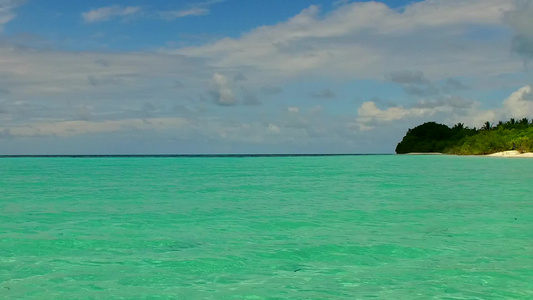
(462,140)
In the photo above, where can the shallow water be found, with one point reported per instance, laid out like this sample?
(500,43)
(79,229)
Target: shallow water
(349,227)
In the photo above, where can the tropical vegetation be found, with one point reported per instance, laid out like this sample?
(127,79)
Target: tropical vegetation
(462,140)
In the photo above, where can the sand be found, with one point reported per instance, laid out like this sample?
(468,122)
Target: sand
(424,153)
(512,153)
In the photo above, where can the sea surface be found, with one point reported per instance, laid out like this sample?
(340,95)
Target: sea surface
(334,227)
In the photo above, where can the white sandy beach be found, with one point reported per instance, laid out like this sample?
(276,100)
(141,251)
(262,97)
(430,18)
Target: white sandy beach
(512,153)
(424,153)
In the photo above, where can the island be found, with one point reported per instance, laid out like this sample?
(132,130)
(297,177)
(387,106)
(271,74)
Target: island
(513,136)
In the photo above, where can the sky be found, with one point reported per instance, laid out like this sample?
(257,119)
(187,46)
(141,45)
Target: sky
(239,76)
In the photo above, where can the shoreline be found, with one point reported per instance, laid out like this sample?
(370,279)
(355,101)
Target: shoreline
(424,153)
(506,154)
(511,154)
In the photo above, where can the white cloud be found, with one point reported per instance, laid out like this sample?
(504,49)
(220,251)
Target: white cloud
(274,128)
(515,106)
(6,10)
(370,112)
(293,109)
(196,9)
(518,104)
(222,90)
(451,111)
(109,12)
(369,39)
(106,13)
(175,14)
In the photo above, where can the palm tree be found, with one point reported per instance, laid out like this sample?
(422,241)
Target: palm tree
(458,126)
(486,126)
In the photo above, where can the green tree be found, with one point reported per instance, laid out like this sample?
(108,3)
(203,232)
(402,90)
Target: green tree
(433,137)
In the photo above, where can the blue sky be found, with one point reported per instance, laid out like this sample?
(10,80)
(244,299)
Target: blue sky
(61,21)
(235,76)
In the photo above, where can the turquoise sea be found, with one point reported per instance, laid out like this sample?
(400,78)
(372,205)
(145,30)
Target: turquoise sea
(335,227)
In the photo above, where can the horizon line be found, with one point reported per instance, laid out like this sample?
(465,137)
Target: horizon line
(186,155)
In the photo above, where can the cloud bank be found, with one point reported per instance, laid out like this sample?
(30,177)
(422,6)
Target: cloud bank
(367,39)
(450,110)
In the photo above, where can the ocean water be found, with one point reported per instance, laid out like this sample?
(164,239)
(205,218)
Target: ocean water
(340,227)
